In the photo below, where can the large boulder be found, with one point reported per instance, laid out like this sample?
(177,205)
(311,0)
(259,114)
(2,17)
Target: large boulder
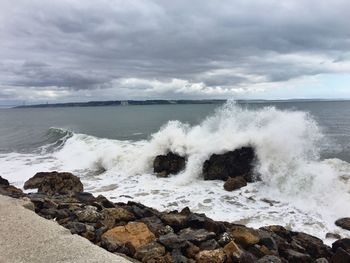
(230,164)
(171,163)
(343,223)
(133,235)
(55,183)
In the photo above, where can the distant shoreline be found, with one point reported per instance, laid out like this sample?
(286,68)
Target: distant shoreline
(164,102)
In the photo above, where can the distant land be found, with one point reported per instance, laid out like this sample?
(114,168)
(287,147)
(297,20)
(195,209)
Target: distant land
(161,102)
(121,103)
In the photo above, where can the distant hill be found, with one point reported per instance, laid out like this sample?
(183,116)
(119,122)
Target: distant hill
(121,103)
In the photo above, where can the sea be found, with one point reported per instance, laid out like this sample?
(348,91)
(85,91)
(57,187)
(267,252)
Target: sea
(302,148)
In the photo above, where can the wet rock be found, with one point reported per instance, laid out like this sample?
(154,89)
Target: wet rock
(172,241)
(269,259)
(269,242)
(168,164)
(3,181)
(296,257)
(210,244)
(246,257)
(343,223)
(113,215)
(196,235)
(224,239)
(85,197)
(175,220)
(211,256)
(234,183)
(133,235)
(150,251)
(192,250)
(178,257)
(54,182)
(340,256)
(280,231)
(333,235)
(312,245)
(201,221)
(156,226)
(343,243)
(104,201)
(230,164)
(12,191)
(76,227)
(245,236)
(89,214)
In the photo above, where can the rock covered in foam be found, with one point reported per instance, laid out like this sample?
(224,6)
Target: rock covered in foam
(171,163)
(54,182)
(230,164)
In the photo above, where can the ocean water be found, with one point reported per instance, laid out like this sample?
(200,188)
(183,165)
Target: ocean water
(303,151)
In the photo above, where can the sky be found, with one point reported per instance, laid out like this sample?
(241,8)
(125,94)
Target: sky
(78,50)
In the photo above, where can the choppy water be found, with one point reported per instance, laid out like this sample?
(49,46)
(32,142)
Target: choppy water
(303,150)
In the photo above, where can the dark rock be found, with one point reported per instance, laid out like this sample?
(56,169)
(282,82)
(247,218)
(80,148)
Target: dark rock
(201,221)
(343,223)
(296,257)
(141,211)
(343,243)
(191,250)
(224,239)
(340,256)
(196,236)
(313,245)
(168,164)
(55,183)
(210,244)
(149,252)
(172,241)
(269,242)
(269,259)
(175,220)
(231,164)
(12,191)
(104,201)
(177,256)
(247,257)
(321,260)
(234,183)
(3,181)
(157,226)
(280,231)
(333,235)
(85,197)
(76,227)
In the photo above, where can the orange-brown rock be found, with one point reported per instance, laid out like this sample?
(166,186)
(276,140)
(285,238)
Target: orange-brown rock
(245,236)
(211,256)
(232,249)
(134,235)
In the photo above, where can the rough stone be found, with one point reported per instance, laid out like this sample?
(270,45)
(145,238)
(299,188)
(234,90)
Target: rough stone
(211,256)
(172,241)
(196,235)
(343,223)
(113,215)
(54,182)
(149,252)
(234,183)
(269,259)
(340,256)
(296,257)
(312,245)
(168,164)
(230,164)
(175,220)
(134,234)
(343,243)
(89,214)
(245,236)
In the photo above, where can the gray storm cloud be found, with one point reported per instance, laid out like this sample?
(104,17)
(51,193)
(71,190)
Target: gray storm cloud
(81,50)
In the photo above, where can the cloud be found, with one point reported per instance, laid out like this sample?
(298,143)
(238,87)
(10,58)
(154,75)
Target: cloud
(142,49)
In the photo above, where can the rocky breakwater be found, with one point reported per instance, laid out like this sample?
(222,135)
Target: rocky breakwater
(148,235)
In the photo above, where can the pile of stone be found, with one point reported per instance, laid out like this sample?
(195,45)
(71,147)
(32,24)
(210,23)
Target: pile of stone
(148,235)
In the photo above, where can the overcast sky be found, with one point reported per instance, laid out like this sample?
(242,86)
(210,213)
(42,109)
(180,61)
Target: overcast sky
(79,50)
